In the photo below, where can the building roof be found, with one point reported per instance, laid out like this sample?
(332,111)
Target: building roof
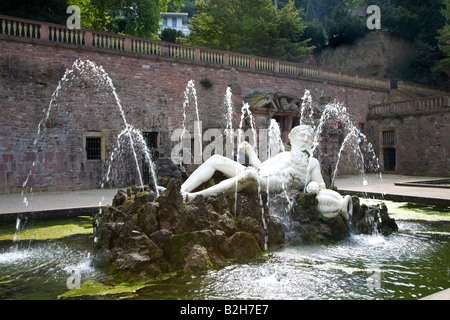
(183,15)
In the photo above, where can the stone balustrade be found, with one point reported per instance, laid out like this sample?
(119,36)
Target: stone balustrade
(420,89)
(52,33)
(415,106)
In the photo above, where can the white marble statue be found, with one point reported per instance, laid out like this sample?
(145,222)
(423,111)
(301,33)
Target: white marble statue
(287,170)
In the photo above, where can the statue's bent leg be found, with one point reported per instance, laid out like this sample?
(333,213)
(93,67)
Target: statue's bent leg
(222,164)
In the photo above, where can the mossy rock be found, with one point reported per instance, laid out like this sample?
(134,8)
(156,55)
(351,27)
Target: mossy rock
(243,246)
(51,232)
(181,245)
(140,199)
(306,207)
(386,225)
(197,260)
(339,230)
(92,288)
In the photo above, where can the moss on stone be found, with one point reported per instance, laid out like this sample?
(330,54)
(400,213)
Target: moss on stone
(95,288)
(49,232)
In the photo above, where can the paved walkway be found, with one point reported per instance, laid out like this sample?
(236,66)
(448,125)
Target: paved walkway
(393,188)
(43,201)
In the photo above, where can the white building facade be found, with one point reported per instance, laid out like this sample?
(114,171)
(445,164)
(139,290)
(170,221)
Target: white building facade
(175,20)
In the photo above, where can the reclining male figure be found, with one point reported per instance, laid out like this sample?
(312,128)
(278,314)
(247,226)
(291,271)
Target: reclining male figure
(293,169)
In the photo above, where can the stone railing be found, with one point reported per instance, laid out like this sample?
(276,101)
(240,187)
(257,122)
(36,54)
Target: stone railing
(51,33)
(420,89)
(416,106)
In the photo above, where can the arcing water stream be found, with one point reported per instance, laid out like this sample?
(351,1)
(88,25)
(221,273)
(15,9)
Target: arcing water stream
(41,260)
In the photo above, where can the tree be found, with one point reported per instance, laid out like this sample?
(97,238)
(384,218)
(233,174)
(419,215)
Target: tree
(315,31)
(250,26)
(93,16)
(53,11)
(343,28)
(324,8)
(444,40)
(288,44)
(409,19)
(187,6)
(131,17)
(310,12)
(418,22)
(209,29)
(418,67)
(171,35)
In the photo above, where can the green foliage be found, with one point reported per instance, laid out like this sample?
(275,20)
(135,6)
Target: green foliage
(187,6)
(310,12)
(315,31)
(409,19)
(131,17)
(418,66)
(171,35)
(93,17)
(343,28)
(53,11)
(418,22)
(321,8)
(290,27)
(444,39)
(252,27)
(206,82)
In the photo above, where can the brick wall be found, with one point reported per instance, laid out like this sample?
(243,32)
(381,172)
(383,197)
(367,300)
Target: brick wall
(151,90)
(422,144)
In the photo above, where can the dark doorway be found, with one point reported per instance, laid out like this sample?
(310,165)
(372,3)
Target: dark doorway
(151,140)
(389,159)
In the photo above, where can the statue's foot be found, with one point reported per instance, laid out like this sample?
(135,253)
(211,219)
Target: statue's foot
(187,196)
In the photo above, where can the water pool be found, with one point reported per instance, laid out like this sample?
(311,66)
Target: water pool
(409,264)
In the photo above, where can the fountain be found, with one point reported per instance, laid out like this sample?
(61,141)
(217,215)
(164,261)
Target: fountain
(169,230)
(144,235)
(247,114)
(120,172)
(354,142)
(190,98)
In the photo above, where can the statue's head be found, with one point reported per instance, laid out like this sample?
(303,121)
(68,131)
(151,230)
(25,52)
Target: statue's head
(302,136)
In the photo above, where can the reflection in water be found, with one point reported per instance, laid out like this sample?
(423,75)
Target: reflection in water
(406,265)
(362,267)
(39,269)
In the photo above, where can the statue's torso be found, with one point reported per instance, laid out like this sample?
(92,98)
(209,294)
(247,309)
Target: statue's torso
(285,168)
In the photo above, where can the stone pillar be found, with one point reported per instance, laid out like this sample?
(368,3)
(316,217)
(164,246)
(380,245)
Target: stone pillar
(88,38)
(44,32)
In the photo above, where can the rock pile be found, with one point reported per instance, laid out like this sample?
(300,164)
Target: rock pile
(141,234)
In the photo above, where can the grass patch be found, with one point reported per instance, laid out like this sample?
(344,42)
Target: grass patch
(94,288)
(48,230)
